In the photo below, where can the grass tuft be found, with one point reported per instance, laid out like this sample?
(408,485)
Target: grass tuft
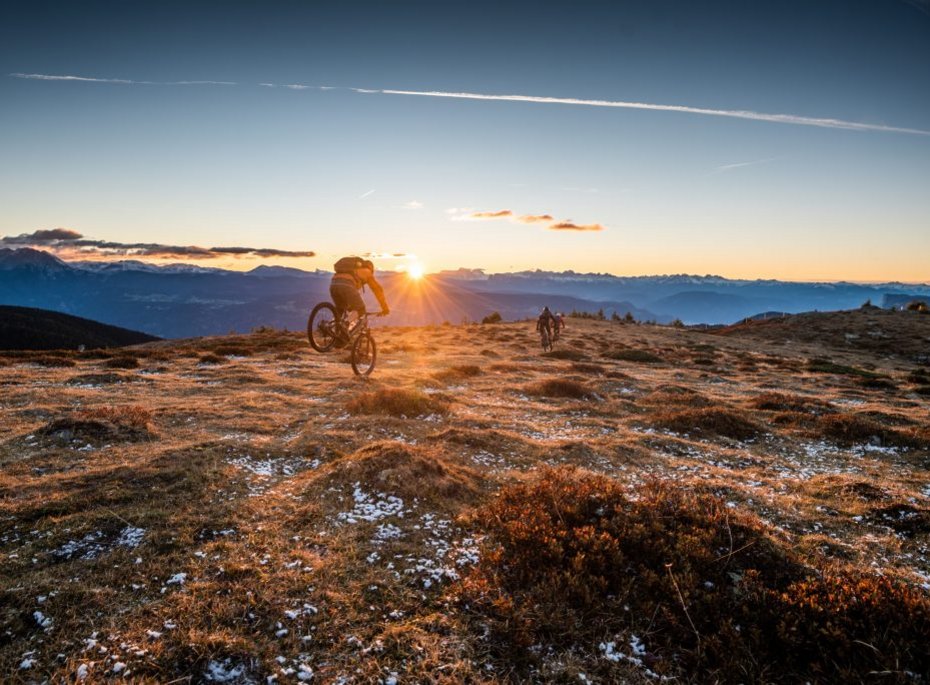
(102,424)
(397,402)
(459,372)
(715,420)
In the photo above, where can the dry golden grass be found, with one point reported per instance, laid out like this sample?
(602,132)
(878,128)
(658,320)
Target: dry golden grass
(327,523)
(401,402)
(715,420)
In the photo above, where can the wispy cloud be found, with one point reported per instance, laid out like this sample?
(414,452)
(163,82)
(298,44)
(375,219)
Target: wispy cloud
(572,226)
(388,255)
(509,215)
(501,214)
(534,218)
(413,204)
(364,195)
(119,81)
(738,165)
(72,243)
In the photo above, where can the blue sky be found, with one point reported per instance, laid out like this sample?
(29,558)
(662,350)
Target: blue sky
(340,171)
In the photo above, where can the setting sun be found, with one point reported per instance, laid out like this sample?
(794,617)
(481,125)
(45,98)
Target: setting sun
(415,271)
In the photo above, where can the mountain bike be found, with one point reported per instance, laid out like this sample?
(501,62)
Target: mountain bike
(544,339)
(326,331)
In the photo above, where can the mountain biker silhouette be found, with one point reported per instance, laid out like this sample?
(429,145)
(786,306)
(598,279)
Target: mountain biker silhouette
(546,321)
(352,275)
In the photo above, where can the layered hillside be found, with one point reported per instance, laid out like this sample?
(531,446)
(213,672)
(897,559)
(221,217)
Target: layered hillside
(25,328)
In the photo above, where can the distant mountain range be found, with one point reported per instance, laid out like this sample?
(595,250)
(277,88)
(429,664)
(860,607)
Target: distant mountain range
(25,328)
(188,300)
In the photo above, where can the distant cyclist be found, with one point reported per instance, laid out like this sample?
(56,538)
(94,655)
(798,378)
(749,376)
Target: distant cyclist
(545,323)
(558,326)
(352,275)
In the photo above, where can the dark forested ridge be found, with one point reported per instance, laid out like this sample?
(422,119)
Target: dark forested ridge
(25,328)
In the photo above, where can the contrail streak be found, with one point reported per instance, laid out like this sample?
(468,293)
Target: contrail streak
(119,81)
(734,114)
(794,119)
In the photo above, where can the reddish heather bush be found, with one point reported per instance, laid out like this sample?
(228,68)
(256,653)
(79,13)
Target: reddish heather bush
(777,401)
(571,557)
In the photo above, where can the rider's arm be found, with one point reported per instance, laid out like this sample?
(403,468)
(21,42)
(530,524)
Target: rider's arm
(378,291)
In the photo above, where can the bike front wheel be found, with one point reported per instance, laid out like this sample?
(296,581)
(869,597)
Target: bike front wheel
(364,354)
(322,328)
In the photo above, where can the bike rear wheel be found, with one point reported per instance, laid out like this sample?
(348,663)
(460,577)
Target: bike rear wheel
(322,327)
(364,354)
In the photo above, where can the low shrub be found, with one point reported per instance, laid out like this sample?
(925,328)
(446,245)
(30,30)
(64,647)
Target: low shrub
(493,317)
(782,402)
(402,402)
(676,395)
(571,557)
(821,365)
(848,429)
(641,356)
(210,359)
(716,420)
(557,387)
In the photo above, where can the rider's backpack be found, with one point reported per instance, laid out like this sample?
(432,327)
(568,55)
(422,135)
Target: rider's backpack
(348,265)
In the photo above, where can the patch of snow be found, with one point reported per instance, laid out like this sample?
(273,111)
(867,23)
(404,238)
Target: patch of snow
(223,672)
(130,537)
(372,508)
(45,622)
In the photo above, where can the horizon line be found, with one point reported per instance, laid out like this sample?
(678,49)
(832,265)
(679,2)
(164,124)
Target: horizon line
(809,280)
